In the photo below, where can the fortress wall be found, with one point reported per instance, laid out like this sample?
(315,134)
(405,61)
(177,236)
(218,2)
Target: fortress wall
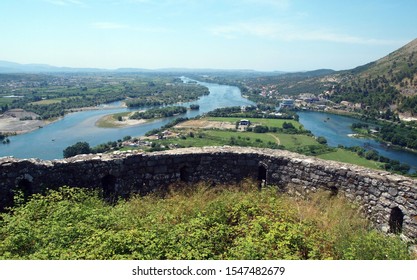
(390,201)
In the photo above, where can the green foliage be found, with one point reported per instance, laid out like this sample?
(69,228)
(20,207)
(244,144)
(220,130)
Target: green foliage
(388,164)
(314,150)
(53,96)
(191,222)
(159,112)
(260,129)
(161,93)
(322,140)
(401,135)
(77,149)
(372,245)
(168,125)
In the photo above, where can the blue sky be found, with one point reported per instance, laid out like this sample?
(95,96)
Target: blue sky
(287,35)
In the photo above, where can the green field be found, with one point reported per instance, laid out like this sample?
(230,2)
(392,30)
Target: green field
(49,101)
(291,141)
(350,157)
(300,143)
(202,138)
(268,122)
(5,101)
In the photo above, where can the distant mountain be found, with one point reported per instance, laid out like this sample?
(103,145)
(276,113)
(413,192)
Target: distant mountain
(309,74)
(387,84)
(400,64)
(12,67)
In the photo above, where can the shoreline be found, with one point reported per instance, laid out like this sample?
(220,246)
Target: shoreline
(357,134)
(14,126)
(109,121)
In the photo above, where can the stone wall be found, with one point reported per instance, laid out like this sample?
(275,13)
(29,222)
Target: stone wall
(388,200)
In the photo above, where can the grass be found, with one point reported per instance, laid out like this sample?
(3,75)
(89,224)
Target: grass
(268,122)
(351,157)
(300,143)
(219,138)
(292,141)
(49,101)
(5,101)
(193,222)
(110,121)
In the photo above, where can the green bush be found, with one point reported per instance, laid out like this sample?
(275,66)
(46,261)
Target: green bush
(191,222)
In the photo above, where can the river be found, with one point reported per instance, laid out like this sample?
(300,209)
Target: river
(50,141)
(336,128)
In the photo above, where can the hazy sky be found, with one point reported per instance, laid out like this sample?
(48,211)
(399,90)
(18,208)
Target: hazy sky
(286,35)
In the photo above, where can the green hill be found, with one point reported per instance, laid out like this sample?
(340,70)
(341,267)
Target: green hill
(398,66)
(388,84)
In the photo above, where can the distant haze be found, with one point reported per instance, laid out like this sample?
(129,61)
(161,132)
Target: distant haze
(265,35)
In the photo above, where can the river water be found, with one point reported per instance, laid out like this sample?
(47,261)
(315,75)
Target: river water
(336,128)
(50,141)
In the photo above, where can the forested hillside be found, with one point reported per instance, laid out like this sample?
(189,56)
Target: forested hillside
(388,83)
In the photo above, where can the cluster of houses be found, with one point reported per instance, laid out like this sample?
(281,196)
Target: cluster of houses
(269,91)
(308,101)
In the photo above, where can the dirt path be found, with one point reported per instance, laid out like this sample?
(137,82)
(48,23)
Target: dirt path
(276,138)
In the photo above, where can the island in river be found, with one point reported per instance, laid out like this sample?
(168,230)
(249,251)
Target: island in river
(119,120)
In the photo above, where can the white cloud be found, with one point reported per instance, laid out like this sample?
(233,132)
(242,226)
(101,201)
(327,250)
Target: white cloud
(288,32)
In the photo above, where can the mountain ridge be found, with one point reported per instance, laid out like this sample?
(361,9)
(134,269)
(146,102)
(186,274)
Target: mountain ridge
(8,67)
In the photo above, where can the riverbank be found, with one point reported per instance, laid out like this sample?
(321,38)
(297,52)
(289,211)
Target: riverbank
(360,133)
(119,120)
(19,121)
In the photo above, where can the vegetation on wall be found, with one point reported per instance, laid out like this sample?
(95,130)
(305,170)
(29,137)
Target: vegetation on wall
(192,222)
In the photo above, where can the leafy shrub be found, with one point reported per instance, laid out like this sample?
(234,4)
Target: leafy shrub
(191,222)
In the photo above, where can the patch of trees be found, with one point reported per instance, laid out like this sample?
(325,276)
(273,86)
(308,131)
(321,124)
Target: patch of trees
(81,148)
(359,126)
(401,135)
(376,94)
(77,149)
(322,140)
(250,112)
(165,127)
(314,150)
(261,129)
(389,164)
(159,112)
(68,92)
(287,128)
(225,112)
(408,104)
(163,94)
